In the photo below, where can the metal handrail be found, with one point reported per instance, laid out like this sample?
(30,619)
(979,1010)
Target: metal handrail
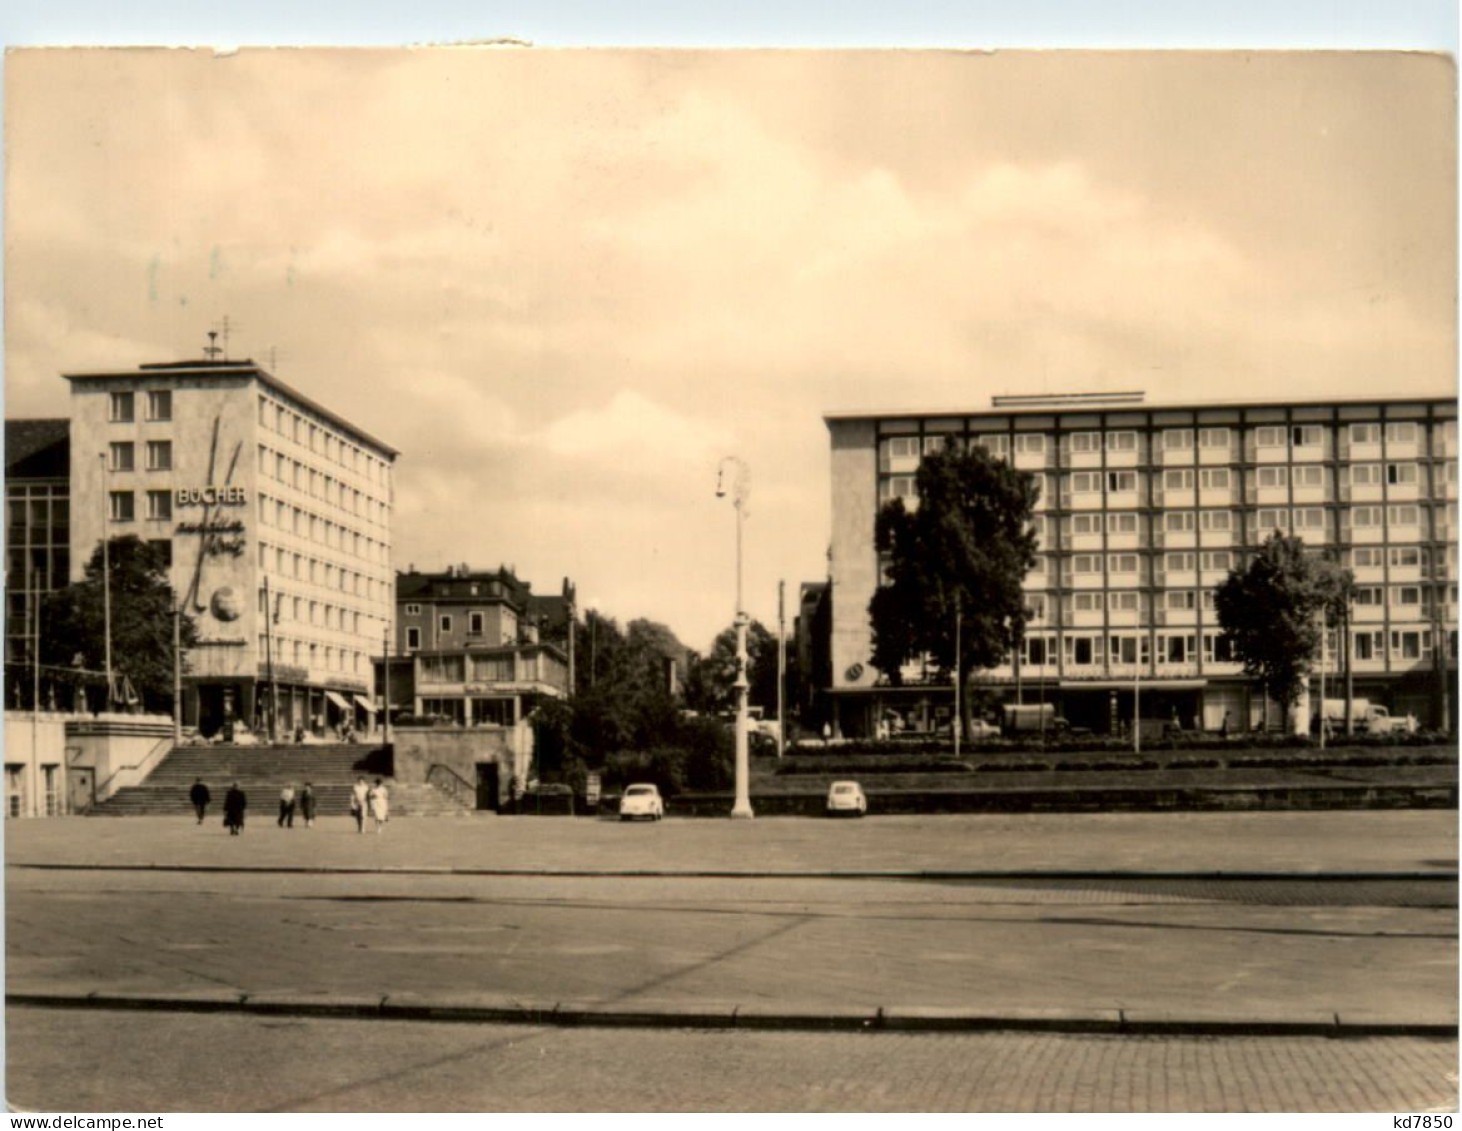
(455,784)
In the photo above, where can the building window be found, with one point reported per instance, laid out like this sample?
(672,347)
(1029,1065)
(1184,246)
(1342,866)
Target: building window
(1270,437)
(1403,516)
(1121,481)
(1309,518)
(1182,599)
(1364,474)
(1406,595)
(122,456)
(1401,432)
(1178,479)
(1178,521)
(1366,557)
(1121,563)
(1178,563)
(1216,520)
(1121,441)
(1086,524)
(1214,437)
(1083,651)
(1127,649)
(1122,602)
(159,504)
(997,444)
(1368,595)
(1086,563)
(1273,476)
(1086,441)
(1270,520)
(475,623)
(1217,648)
(1086,483)
(160,404)
(1400,473)
(121,509)
(1365,516)
(1308,475)
(1121,522)
(123,408)
(1176,439)
(1213,478)
(1368,646)
(1035,606)
(1085,602)
(1409,645)
(1175,649)
(444,624)
(1216,560)
(1032,443)
(1040,650)
(1306,435)
(1405,556)
(1365,433)
(159,455)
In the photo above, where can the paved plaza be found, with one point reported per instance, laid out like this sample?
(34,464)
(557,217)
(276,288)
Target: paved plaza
(1182,927)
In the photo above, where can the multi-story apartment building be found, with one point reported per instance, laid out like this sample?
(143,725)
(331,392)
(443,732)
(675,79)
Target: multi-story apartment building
(275,515)
(37,539)
(478,645)
(1144,509)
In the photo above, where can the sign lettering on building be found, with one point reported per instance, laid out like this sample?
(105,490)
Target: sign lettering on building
(211,497)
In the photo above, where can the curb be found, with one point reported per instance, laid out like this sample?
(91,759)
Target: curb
(756,874)
(907,1019)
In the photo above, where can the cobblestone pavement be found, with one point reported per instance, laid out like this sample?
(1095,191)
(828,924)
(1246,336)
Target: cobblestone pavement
(1249,951)
(171,1062)
(1370,841)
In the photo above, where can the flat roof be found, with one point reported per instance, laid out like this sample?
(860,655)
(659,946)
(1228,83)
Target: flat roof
(1085,404)
(244,368)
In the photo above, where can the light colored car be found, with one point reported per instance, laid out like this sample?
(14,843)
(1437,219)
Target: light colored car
(846,797)
(982,731)
(641,800)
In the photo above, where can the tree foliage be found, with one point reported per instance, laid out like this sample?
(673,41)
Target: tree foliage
(965,548)
(711,687)
(1270,610)
(73,622)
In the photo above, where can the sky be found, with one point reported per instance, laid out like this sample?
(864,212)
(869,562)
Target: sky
(566,283)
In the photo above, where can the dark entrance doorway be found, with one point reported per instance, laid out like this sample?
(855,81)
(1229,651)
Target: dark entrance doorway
(80,789)
(487,785)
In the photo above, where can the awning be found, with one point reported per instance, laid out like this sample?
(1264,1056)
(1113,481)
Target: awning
(1146,683)
(366,703)
(339,700)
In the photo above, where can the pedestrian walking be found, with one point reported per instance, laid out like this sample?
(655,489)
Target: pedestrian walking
(380,804)
(234,804)
(307,805)
(200,797)
(359,798)
(286,806)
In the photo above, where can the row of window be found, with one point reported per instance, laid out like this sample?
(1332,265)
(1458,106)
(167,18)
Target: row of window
(284,421)
(1094,650)
(306,653)
(306,524)
(317,484)
(289,607)
(123,406)
(1397,432)
(287,563)
(122,505)
(123,455)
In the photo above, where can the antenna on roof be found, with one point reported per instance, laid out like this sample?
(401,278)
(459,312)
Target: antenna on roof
(211,350)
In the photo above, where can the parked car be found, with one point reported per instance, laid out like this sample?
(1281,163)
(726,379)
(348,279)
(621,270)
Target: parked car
(982,731)
(846,797)
(641,801)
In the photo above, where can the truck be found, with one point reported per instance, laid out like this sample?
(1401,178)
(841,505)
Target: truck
(1366,717)
(1028,718)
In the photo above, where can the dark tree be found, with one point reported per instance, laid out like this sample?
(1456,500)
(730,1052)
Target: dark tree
(1270,609)
(142,601)
(712,687)
(960,553)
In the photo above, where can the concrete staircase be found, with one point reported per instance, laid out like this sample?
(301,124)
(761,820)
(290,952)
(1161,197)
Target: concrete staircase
(262,771)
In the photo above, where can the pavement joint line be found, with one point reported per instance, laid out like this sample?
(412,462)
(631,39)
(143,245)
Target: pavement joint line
(612,1016)
(757,874)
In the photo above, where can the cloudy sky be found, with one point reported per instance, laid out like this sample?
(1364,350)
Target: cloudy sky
(565,283)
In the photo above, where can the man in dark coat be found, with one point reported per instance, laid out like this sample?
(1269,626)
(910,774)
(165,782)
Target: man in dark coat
(200,797)
(234,804)
(307,805)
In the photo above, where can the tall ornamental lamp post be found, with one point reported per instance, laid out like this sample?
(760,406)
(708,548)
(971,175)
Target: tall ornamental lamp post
(740,489)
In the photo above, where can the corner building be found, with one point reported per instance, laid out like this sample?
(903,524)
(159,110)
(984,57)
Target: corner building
(1143,511)
(260,499)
